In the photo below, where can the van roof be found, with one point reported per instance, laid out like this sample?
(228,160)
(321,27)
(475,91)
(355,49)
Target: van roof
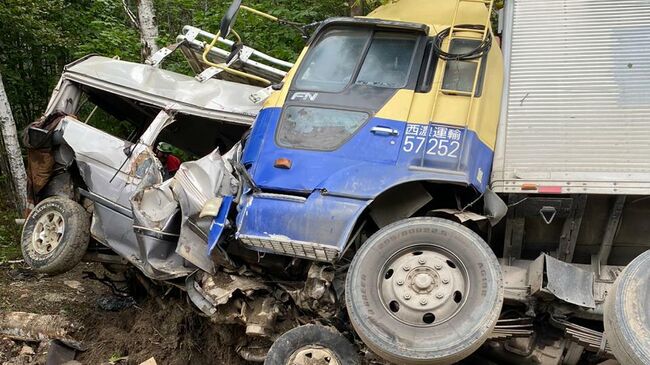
(212,98)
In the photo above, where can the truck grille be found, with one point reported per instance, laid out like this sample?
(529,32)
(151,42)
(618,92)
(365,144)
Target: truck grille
(288,247)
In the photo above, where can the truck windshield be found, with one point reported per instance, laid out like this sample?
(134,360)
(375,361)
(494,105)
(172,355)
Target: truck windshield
(333,62)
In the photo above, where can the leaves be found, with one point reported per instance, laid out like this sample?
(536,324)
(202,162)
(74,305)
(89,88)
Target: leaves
(39,37)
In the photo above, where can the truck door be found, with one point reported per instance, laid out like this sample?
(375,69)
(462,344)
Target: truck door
(331,132)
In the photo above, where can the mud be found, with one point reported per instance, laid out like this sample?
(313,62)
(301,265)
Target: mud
(168,330)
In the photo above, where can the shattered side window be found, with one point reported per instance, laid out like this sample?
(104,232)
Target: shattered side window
(330,66)
(459,75)
(317,128)
(94,116)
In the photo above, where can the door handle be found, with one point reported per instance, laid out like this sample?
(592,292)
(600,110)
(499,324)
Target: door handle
(384,131)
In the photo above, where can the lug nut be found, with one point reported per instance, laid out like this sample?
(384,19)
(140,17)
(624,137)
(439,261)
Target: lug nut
(407,296)
(400,282)
(438,267)
(445,281)
(423,301)
(422,261)
(439,295)
(406,268)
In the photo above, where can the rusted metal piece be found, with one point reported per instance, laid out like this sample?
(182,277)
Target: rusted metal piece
(317,295)
(221,286)
(260,316)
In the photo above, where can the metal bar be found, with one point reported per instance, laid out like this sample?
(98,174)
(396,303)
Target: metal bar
(613,223)
(514,238)
(227,42)
(571,229)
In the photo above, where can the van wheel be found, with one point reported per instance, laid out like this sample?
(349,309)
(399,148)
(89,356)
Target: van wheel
(312,345)
(627,313)
(55,235)
(424,291)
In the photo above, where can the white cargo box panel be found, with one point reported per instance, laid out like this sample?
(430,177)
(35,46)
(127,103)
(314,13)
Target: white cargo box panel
(575,116)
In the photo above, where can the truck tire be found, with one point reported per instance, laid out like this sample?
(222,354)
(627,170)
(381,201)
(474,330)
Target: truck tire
(627,313)
(312,344)
(55,235)
(424,291)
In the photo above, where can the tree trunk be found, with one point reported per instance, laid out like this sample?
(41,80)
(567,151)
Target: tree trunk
(356,7)
(12,148)
(148,28)
(35,327)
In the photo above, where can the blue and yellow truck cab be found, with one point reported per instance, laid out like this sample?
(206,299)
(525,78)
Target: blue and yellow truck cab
(370,107)
(385,123)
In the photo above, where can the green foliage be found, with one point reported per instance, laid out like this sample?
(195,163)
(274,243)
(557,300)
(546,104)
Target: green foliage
(9,230)
(39,37)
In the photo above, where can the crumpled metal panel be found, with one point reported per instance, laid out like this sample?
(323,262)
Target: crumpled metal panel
(575,110)
(195,183)
(214,99)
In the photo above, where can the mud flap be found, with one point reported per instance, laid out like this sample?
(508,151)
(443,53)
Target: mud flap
(550,276)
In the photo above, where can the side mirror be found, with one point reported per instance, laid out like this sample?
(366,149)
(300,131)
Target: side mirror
(128,150)
(228,19)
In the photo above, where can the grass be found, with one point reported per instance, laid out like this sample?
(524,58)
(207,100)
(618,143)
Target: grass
(9,230)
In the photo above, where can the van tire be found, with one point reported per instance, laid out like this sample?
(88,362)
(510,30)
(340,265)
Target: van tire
(287,346)
(55,235)
(398,289)
(627,313)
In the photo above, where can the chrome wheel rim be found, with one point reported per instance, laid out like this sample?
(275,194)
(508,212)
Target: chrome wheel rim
(48,233)
(424,285)
(313,355)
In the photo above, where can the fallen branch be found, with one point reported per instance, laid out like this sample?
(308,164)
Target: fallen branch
(33,327)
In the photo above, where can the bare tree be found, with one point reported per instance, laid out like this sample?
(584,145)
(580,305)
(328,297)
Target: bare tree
(12,147)
(148,28)
(356,7)
(146,24)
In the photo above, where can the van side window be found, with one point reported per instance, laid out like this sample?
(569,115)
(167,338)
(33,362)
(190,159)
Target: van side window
(97,117)
(459,75)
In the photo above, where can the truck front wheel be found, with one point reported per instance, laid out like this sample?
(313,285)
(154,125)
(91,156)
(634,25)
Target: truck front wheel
(424,291)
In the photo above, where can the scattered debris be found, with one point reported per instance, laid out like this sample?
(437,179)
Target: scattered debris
(60,353)
(114,303)
(74,285)
(150,361)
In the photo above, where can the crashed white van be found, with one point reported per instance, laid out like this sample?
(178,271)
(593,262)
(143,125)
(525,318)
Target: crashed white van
(77,170)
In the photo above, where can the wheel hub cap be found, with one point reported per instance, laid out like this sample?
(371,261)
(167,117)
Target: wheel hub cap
(48,233)
(424,285)
(313,355)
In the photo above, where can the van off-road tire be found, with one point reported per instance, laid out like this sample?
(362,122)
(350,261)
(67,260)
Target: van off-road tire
(424,291)
(55,235)
(627,313)
(312,344)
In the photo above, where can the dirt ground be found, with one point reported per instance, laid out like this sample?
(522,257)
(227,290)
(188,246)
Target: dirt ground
(167,330)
